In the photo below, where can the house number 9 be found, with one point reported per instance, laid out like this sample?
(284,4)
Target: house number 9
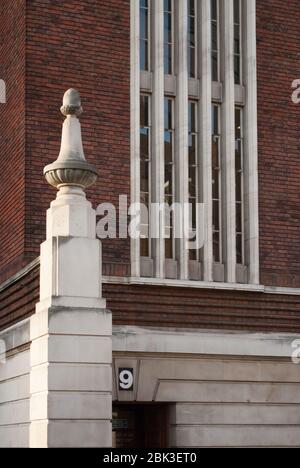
(126,379)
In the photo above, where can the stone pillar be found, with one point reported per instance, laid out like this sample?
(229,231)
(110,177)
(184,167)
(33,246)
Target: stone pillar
(71,331)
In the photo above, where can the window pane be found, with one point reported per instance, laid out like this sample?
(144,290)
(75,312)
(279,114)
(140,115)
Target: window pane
(214,9)
(144,142)
(144,176)
(191,64)
(239,218)
(214,37)
(237,46)
(169,247)
(168,148)
(144,110)
(237,11)
(215,40)
(215,187)
(144,23)
(216,215)
(216,247)
(238,188)
(145,246)
(215,67)
(168,37)
(144,55)
(237,42)
(167,5)
(192,150)
(191,7)
(239,185)
(169,179)
(168,114)
(192,183)
(237,71)
(239,254)
(169,171)
(144,35)
(215,120)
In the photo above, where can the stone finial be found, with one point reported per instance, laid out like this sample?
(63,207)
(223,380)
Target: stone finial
(71,167)
(71,103)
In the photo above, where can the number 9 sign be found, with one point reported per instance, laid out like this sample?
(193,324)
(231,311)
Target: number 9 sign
(126,379)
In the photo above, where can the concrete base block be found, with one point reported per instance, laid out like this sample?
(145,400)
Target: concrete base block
(70,434)
(71,378)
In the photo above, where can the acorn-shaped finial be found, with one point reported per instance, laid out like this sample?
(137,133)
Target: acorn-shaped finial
(71,103)
(71,167)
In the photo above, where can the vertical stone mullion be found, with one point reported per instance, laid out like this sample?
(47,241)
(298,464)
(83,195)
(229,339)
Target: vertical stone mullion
(251,150)
(228,139)
(181,136)
(158,136)
(205,130)
(135,123)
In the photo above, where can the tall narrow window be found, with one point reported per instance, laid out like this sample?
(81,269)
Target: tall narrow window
(239,184)
(193,170)
(237,42)
(215,40)
(216,187)
(145,152)
(168,37)
(144,35)
(169,175)
(192,38)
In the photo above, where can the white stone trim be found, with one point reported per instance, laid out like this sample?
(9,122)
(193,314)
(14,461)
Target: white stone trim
(171,283)
(13,279)
(201,285)
(135,124)
(183,284)
(250,142)
(186,341)
(16,335)
(205,131)
(228,140)
(181,134)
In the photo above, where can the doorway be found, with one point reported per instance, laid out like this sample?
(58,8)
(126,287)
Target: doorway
(140,426)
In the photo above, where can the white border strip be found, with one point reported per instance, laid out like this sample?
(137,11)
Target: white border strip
(185,341)
(20,274)
(169,283)
(180,341)
(201,285)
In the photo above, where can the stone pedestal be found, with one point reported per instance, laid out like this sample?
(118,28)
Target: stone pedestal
(71,331)
(70,379)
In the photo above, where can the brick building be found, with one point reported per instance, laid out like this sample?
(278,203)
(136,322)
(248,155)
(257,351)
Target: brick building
(184,101)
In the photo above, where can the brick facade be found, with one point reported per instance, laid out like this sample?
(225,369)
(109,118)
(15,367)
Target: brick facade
(176,307)
(278,59)
(12,138)
(86,45)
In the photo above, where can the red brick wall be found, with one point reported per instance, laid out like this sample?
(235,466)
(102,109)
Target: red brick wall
(12,136)
(83,44)
(18,300)
(202,308)
(176,307)
(278,57)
